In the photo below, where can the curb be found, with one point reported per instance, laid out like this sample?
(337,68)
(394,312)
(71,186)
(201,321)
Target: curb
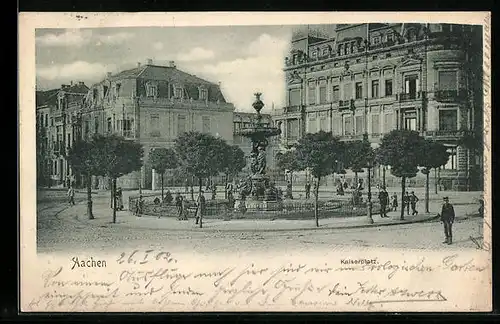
(265,230)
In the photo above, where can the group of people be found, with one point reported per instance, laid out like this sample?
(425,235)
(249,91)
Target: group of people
(181,204)
(391,204)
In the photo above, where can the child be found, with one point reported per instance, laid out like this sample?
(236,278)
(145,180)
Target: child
(394,202)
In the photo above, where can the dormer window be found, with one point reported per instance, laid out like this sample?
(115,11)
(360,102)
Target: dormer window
(376,40)
(178,92)
(202,93)
(151,90)
(390,37)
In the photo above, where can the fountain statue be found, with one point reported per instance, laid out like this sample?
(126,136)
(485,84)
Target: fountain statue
(258,187)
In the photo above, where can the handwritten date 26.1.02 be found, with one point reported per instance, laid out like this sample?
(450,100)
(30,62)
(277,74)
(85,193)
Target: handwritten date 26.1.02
(143,257)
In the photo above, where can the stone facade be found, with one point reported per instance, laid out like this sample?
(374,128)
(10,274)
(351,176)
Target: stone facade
(373,78)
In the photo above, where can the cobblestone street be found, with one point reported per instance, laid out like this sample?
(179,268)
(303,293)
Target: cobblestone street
(60,228)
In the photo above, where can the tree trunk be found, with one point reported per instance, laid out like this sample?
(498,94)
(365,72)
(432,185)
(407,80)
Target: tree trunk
(427,191)
(162,186)
(383,176)
(225,187)
(403,183)
(435,181)
(316,190)
(355,179)
(200,183)
(89,197)
(113,187)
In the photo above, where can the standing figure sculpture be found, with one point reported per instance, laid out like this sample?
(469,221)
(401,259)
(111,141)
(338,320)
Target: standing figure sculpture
(261,160)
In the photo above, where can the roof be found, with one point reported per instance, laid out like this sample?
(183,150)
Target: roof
(172,75)
(49,97)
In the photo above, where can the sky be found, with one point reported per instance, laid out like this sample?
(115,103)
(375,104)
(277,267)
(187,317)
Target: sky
(244,59)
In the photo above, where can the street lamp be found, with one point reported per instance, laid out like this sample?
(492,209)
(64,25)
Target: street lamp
(370,218)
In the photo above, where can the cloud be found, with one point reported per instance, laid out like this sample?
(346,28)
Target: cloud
(79,70)
(196,54)
(263,72)
(158,46)
(78,38)
(70,37)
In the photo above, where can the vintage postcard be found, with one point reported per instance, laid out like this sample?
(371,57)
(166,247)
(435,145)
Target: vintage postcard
(328,161)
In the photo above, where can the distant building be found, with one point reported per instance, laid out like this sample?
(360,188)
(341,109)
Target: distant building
(373,78)
(57,113)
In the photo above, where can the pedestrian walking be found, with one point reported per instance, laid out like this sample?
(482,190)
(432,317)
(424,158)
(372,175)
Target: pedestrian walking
(406,203)
(118,199)
(201,206)
(413,203)
(383,198)
(308,190)
(447,217)
(178,204)
(184,210)
(394,202)
(139,203)
(71,196)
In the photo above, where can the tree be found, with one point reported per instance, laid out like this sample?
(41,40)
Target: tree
(287,161)
(201,155)
(434,155)
(162,159)
(84,158)
(118,156)
(319,152)
(358,153)
(234,162)
(403,151)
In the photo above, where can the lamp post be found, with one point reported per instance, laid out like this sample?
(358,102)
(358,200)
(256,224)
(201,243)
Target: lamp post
(89,190)
(383,176)
(370,218)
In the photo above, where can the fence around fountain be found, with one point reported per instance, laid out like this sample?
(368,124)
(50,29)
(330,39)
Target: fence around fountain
(293,209)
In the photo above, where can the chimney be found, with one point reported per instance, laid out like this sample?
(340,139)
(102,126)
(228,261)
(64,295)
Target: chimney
(171,64)
(138,64)
(150,61)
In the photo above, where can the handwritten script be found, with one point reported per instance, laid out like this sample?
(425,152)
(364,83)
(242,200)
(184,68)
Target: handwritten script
(158,280)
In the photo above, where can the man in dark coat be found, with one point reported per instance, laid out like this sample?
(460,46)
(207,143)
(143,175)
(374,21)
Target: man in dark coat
(406,203)
(201,208)
(447,217)
(383,197)
(413,203)
(308,190)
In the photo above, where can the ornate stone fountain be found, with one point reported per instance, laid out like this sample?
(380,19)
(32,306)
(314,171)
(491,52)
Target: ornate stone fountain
(257,192)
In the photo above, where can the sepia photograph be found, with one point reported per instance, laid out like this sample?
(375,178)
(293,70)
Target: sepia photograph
(293,166)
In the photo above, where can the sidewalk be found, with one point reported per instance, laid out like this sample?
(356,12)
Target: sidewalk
(125,219)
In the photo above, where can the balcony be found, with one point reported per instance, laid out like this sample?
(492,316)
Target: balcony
(448,134)
(410,96)
(293,109)
(450,95)
(346,104)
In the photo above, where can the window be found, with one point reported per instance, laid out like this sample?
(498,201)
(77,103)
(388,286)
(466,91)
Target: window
(110,125)
(295,97)
(348,125)
(155,125)
(335,64)
(359,90)
(311,124)
(375,87)
(68,141)
(181,124)
(314,54)
(325,51)
(87,128)
(376,40)
(359,125)
(390,37)
(127,127)
(447,80)
(375,124)
(387,55)
(452,159)
(358,60)
(203,94)
(374,57)
(411,85)
(322,94)
(347,91)
(411,123)
(94,94)
(118,87)
(388,88)
(448,120)
(178,93)
(335,93)
(311,96)
(105,90)
(46,120)
(387,122)
(151,90)
(323,122)
(337,125)
(96,125)
(292,129)
(206,124)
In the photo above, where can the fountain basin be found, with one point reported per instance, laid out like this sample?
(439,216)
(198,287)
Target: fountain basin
(259,205)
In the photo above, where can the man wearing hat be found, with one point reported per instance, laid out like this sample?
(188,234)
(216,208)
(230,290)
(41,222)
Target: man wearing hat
(447,217)
(383,197)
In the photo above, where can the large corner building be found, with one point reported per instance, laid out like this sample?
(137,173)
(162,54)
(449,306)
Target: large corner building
(374,78)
